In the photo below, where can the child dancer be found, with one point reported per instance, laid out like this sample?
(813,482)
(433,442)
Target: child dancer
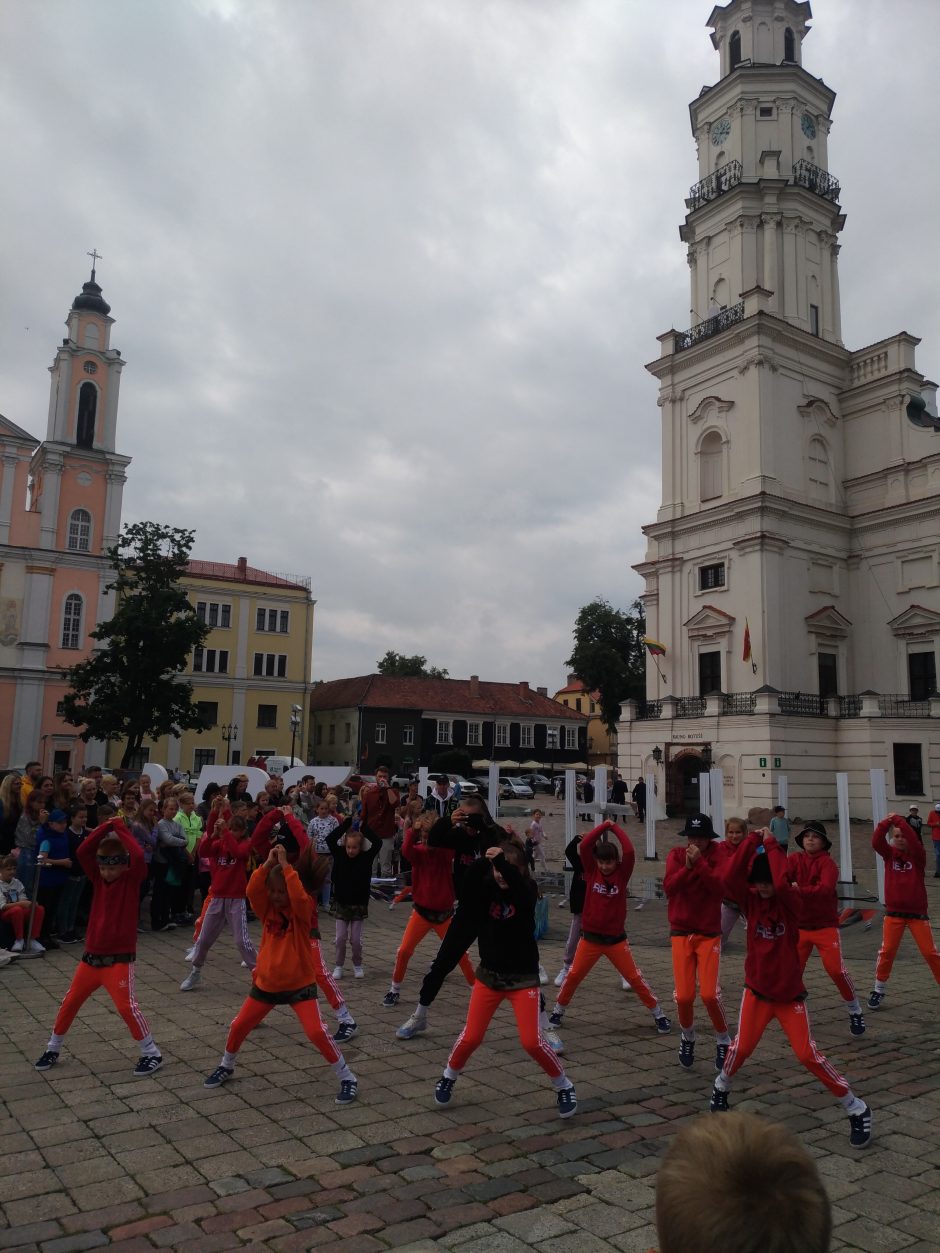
(536,834)
(693,888)
(735,831)
(353,852)
(319,827)
(504,896)
(905,900)
(756,876)
(575,905)
(284,973)
(15,905)
(604,919)
(227,852)
(112,859)
(313,869)
(816,874)
(432,885)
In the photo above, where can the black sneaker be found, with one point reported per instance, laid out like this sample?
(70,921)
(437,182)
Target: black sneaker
(147,1063)
(860,1125)
(663,1024)
(68,938)
(48,1060)
(721,1052)
(220,1075)
(567,1103)
(444,1090)
(719,1102)
(875,999)
(554,1020)
(856,1024)
(391,999)
(345,1032)
(686,1052)
(348,1091)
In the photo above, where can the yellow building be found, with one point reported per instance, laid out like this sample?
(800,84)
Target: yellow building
(252,671)
(602,746)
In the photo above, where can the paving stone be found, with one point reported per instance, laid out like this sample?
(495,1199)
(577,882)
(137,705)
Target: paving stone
(142,1227)
(30,1233)
(534,1227)
(76,1243)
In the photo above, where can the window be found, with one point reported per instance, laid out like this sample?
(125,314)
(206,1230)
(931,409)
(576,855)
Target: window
(789,45)
(272,620)
(210,661)
(709,673)
(552,737)
(827,670)
(922,675)
(60,709)
(203,757)
(502,735)
(208,712)
(765,110)
(712,576)
(381,736)
(214,613)
(814,319)
(271,665)
(267,717)
(79,536)
(525,735)
(72,621)
(444,731)
(87,408)
(710,466)
(61,759)
(818,470)
(474,734)
(908,770)
(577,703)
(734,49)
(348,733)
(319,734)
(332,735)
(408,735)
(571,737)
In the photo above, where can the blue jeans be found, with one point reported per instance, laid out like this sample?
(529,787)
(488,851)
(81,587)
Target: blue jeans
(26,868)
(68,905)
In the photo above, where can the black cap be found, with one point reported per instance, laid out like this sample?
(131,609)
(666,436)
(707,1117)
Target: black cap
(760,871)
(699,824)
(814,828)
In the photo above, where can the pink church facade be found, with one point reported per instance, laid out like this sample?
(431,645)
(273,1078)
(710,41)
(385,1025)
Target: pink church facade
(60,509)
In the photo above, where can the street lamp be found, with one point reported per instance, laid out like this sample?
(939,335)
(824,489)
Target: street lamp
(295,719)
(657,754)
(229,733)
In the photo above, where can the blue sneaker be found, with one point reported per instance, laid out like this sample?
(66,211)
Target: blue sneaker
(444,1090)
(567,1103)
(721,1052)
(686,1053)
(663,1024)
(348,1091)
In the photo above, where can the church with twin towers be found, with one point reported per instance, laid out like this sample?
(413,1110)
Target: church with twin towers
(792,573)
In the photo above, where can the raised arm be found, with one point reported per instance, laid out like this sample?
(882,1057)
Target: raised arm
(573,854)
(734,873)
(333,839)
(879,839)
(628,860)
(520,888)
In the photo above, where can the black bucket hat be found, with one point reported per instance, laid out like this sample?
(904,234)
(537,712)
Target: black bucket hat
(699,824)
(815,828)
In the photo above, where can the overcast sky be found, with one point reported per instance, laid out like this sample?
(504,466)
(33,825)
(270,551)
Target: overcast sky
(386,274)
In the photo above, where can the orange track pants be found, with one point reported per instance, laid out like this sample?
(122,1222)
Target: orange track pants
(415,932)
(826,941)
(891,936)
(323,978)
(253,1012)
(793,1016)
(118,982)
(698,955)
(526,1003)
(586,956)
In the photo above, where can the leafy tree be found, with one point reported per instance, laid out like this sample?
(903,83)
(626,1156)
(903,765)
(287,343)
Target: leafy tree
(608,654)
(130,687)
(402,667)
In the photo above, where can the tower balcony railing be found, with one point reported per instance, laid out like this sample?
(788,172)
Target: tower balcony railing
(710,326)
(716,184)
(769,701)
(816,180)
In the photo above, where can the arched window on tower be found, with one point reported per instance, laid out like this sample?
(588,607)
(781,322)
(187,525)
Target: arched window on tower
(819,471)
(87,408)
(789,45)
(79,536)
(72,621)
(709,469)
(734,50)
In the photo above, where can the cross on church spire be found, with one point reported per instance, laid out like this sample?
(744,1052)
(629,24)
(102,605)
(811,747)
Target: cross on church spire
(95,258)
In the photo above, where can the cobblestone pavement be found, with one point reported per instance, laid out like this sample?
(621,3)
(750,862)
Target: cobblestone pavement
(94,1157)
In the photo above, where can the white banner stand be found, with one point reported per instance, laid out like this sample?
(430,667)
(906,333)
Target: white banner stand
(717,785)
(704,794)
(783,791)
(492,798)
(571,806)
(845,830)
(651,817)
(600,794)
(423,788)
(879,811)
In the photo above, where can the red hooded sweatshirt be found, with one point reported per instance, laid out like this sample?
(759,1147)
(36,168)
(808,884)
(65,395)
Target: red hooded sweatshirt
(693,896)
(112,922)
(228,861)
(905,890)
(816,875)
(604,916)
(432,878)
(772,965)
(261,836)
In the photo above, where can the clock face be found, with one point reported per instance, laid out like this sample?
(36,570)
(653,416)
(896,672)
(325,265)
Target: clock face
(720,131)
(809,126)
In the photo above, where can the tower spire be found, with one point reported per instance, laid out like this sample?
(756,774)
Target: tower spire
(95,258)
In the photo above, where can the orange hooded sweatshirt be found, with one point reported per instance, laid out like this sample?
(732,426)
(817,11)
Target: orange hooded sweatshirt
(285,960)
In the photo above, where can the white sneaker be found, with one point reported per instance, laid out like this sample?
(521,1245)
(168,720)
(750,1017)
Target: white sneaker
(17,947)
(543,975)
(359,972)
(411,1027)
(36,947)
(190,954)
(553,1040)
(337,972)
(626,985)
(192,980)
(561,976)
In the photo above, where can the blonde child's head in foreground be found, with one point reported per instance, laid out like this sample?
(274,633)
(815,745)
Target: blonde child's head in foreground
(735,1183)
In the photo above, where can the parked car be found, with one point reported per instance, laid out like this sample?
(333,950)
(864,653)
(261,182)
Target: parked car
(538,782)
(514,789)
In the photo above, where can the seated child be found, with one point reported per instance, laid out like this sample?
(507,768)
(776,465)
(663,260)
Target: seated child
(15,905)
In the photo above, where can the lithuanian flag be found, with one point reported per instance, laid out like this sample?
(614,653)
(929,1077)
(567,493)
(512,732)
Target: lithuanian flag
(654,648)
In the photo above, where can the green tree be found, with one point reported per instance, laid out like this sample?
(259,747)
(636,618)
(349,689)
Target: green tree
(608,654)
(402,667)
(130,687)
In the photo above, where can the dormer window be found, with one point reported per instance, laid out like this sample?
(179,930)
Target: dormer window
(734,50)
(789,45)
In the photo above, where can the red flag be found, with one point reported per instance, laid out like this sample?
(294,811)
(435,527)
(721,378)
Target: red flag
(747,641)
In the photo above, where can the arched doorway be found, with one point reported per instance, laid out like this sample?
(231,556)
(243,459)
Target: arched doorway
(682,772)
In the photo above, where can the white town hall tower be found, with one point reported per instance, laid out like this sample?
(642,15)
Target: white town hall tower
(800,478)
